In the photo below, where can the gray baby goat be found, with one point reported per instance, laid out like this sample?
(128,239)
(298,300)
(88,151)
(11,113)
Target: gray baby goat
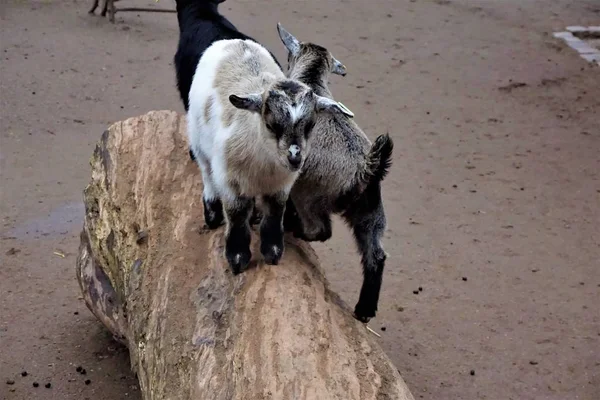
(342,174)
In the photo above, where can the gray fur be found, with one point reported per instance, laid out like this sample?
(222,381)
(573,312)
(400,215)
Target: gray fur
(249,129)
(342,173)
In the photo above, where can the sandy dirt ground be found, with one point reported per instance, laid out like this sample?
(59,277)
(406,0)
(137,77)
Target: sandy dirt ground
(493,201)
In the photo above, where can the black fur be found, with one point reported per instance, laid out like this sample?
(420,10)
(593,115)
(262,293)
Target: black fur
(237,242)
(291,221)
(367,219)
(213,213)
(318,66)
(200,25)
(380,157)
(256,216)
(271,228)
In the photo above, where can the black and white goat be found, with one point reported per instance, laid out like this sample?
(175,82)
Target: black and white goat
(342,174)
(249,128)
(200,25)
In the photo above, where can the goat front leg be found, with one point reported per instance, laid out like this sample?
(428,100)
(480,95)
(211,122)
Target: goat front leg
(291,220)
(213,207)
(237,238)
(271,227)
(94,6)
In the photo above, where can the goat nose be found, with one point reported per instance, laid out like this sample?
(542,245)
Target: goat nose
(294,156)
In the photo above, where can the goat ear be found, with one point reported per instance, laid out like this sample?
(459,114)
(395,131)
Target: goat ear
(290,42)
(325,104)
(337,67)
(250,102)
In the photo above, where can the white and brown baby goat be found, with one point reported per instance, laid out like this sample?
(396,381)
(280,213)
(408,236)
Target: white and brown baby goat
(342,174)
(249,128)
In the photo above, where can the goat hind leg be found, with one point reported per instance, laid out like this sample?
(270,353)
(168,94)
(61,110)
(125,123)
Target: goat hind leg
(368,231)
(94,6)
(104,8)
(291,220)
(315,222)
(237,241)
(271,227)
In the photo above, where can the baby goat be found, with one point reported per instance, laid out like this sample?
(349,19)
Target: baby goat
(249,129)
(200,25)
(342,174)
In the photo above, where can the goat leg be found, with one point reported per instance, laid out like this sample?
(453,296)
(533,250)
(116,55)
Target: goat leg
(368,230)
(112,12)
(271,227)
(315,221)
(104,8)
(237,241)
(94,6)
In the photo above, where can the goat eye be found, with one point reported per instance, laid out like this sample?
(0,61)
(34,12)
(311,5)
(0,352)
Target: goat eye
(276,129)
(308,128)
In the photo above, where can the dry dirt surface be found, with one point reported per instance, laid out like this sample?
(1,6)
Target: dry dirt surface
(492,286)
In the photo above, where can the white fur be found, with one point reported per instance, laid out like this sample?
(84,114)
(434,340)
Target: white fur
(208,139)
(296,112)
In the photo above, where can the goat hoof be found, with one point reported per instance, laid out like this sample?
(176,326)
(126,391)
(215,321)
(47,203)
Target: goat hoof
(213,213)
(363,313)
(239,261)
(272,254)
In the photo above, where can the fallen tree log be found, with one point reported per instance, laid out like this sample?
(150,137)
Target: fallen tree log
(161,285)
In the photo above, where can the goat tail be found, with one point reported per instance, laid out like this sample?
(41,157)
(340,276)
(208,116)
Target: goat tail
(379,159)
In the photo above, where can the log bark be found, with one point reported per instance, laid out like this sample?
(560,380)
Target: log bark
(160,283)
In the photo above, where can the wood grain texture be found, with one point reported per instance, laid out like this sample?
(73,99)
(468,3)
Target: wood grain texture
(161,285)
